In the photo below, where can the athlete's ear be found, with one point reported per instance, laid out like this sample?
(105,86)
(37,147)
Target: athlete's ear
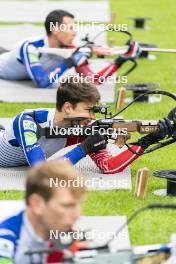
(67,108)
(55,31)
(36,203)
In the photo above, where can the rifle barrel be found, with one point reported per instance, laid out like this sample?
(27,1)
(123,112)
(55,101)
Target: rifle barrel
(106,51)
(159,50)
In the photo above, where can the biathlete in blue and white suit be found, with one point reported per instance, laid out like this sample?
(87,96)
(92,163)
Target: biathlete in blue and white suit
(26,61)
(20,145)
(49,209)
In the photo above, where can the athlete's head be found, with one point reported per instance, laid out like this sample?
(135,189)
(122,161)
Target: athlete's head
(59,25)
(76,97)
(53,199)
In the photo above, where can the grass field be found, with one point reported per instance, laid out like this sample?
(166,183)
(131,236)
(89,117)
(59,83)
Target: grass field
(151,226)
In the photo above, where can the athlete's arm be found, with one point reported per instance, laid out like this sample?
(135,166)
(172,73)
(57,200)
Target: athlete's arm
(10,230)
(7,245)
(31,59)
(84,69)
(42,78)
(91,144)
(25,131)
(114,164)
(104,160)
(6,250)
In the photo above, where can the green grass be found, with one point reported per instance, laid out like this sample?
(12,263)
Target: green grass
(151,226)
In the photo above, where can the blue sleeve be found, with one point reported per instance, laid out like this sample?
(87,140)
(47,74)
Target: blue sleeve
(7,244)
(25,131)
(9,235)
(42,78)
(75,155)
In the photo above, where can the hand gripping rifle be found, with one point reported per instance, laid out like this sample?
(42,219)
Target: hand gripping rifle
(111,126)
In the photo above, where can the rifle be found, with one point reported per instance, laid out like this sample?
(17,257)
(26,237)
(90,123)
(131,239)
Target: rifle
(101,52)
(97,50)
(111,126)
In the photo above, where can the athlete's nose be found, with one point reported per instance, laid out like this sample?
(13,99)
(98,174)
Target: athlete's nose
(74,33)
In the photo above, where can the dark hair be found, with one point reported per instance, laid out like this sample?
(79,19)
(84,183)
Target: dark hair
(55,17)
(75,90)
(39,179)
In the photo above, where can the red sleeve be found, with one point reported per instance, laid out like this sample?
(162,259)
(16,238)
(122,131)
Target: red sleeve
(85,70)
(74,140)
(56,256)
(113,164)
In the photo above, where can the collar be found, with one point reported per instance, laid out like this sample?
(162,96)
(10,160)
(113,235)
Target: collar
(32,234)
(46,44)
(50,118)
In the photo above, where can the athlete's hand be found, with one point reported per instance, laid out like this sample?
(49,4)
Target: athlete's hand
(79,57)
(165,129)
(94,143)
(132,53)
(172,117)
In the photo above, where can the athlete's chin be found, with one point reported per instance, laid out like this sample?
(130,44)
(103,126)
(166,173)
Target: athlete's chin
(67,43)
(70,42)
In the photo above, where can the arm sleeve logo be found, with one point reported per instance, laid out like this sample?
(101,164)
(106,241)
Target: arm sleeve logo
(33,54)
(29,125)
(30,138)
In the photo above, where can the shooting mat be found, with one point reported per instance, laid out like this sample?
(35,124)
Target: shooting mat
(25,92)
(14,178)
(36,11)
(5,121)
(101,227)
